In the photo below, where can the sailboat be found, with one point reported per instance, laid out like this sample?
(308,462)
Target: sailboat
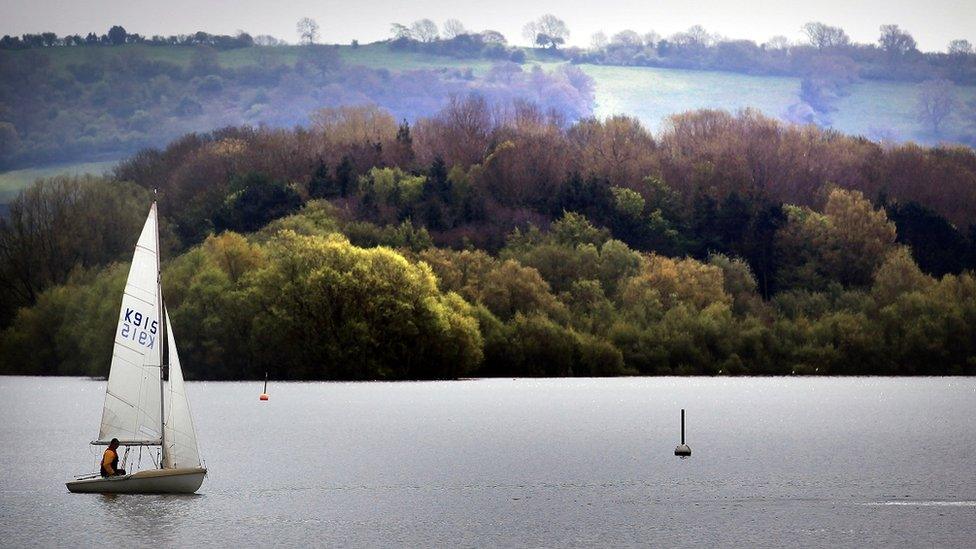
(145,397)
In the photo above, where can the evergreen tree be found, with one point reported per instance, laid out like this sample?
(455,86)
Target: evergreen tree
(937,246)
(322,184)
(403,146)
(438,185)
(368,205)
(344,177)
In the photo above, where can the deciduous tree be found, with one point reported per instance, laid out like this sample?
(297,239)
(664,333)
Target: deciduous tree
(546,31)
(824,36)
(424,30)
(453,28)
(117,35)
(895,41)
(308,30)
(935,103)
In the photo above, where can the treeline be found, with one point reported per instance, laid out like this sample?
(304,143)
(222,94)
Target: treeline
(301,301)
(111,105)
(455,41)
(465,46)
(523,246)
(118,36)
(895,56)
(712,182)
(60,227)
(472,172)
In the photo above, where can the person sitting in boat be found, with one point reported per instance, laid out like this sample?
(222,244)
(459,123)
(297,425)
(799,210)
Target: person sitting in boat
(110,460)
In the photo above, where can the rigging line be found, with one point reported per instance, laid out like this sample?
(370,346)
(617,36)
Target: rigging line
(146,301)
(120,399)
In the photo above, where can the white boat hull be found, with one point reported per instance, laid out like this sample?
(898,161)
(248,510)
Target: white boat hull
(153,481)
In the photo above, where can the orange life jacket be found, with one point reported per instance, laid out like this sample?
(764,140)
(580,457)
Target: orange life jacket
(110,462)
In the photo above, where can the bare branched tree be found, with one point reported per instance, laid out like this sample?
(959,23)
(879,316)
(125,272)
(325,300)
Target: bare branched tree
(308,30)
(627,38)
(936,101)
(546,31)
(777,43)
(960,48)
(695,37)
(424,30)
(599,40)
(824,36)
(453,28)
(493,37)
(651,38)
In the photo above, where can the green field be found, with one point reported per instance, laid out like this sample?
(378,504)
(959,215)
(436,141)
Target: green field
(651,94)
(873,107)
(13,181)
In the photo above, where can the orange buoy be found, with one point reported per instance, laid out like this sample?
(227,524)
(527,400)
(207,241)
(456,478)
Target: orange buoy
(264,395)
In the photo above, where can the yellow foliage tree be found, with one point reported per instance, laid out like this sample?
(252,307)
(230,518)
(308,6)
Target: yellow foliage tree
(664,283)
(846,243)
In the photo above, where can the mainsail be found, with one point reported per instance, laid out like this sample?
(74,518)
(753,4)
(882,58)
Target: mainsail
(180,446)
(132,411)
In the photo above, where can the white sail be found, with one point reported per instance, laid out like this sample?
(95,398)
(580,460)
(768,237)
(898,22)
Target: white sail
(180,446)
(132,398)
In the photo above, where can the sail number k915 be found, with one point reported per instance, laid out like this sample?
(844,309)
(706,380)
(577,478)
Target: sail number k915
(138,327)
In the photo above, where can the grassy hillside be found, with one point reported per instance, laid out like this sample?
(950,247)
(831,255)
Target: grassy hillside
(376,55)
(875,109)
(60,106)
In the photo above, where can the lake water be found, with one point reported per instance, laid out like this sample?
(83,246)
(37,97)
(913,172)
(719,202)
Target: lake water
(565,462)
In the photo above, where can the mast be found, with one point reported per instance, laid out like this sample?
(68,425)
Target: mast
(160,334)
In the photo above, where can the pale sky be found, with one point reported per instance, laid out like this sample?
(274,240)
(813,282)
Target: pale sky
(933,23)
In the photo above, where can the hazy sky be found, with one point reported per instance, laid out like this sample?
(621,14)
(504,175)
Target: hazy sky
(932,22)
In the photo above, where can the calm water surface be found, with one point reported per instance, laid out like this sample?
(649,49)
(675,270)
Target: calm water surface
(578,462)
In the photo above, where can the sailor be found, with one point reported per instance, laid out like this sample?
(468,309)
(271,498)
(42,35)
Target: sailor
(110,460)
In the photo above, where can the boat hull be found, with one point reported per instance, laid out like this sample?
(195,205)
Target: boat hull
(153,481)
